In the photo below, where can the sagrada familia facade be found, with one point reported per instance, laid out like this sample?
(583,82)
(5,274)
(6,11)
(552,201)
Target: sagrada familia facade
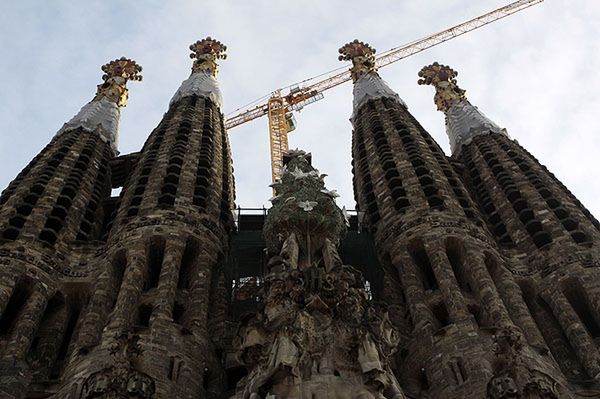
(470,276)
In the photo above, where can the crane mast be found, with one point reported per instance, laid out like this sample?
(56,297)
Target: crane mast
(278,130)
(278,107)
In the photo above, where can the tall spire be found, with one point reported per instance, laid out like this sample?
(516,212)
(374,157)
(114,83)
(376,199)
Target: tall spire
(367,82)
(463,120)
(102,114)
(203,81)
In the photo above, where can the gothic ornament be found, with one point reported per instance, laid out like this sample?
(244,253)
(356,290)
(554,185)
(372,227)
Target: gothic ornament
(463,120)
(299,194)
(101,116)
(203,80)
(121,379)
(318,334)
(362,56)
(205,53)
(443,78)
(307,206)
(368,85)
(514,377)
(502,387)
(116,75)
(331,193)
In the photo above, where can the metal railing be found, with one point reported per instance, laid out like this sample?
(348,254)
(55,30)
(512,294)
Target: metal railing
(355,218)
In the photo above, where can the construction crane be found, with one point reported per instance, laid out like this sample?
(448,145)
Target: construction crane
(279,106)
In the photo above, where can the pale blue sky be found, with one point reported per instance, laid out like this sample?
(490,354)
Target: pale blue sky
(535,73)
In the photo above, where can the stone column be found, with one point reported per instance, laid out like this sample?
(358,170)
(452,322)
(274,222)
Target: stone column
(27,324)
(556,341)
(486,290)
(589,286)
(51,336)
(513,298)
(167,285)
(200,293)
(218,304)
(131,288)
(415,295)
(451,292)
(7,285)
(97,312)
(580,340)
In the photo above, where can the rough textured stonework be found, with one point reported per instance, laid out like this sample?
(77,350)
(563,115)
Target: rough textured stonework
(162,262)
(318,334)
(470,276)
(50,218)
(548,237)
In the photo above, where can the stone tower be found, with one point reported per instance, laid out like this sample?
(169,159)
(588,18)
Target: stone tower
(161,264)
(101,296)
(50,216)
(469,276)
(549,239)
(457,285)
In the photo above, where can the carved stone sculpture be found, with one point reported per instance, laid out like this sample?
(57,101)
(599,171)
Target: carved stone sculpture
(319,334)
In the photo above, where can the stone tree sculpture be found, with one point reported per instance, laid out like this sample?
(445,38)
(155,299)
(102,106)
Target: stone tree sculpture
(317,334)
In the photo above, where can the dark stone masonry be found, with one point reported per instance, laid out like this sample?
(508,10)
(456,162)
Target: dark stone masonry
(470,276)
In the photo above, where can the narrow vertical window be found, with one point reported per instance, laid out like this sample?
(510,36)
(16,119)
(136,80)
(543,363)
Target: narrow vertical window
(16,302)
(190,256)
(156,254)
(577,298)
(63,350)
(419,256)
(455,257)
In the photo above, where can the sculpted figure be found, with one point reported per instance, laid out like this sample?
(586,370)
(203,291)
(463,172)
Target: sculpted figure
(318,335)
(501,387)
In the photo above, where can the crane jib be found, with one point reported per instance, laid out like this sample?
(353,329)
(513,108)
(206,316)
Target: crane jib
(314,87)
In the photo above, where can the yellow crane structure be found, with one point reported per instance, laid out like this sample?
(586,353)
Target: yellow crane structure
(279,106)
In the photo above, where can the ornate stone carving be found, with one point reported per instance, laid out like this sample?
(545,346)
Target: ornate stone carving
(368,85)
(318,326)
(443,78)
(318,334)
(116,74)
(362,56)
(514,378)
(203,80)
(502,386)
(304,210)
(120,379)
(463,120)
(205,53)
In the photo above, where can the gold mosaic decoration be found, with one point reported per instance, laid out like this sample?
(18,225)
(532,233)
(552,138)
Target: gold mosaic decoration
(443,78)
(116,75)
(362,56)
(205,53)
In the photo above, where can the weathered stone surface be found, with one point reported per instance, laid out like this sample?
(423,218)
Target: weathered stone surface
(318,334)
(460,289)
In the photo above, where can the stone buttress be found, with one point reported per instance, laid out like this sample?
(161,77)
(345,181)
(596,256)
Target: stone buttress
(50,217)
(537,221)
(158,309)
(469,333)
